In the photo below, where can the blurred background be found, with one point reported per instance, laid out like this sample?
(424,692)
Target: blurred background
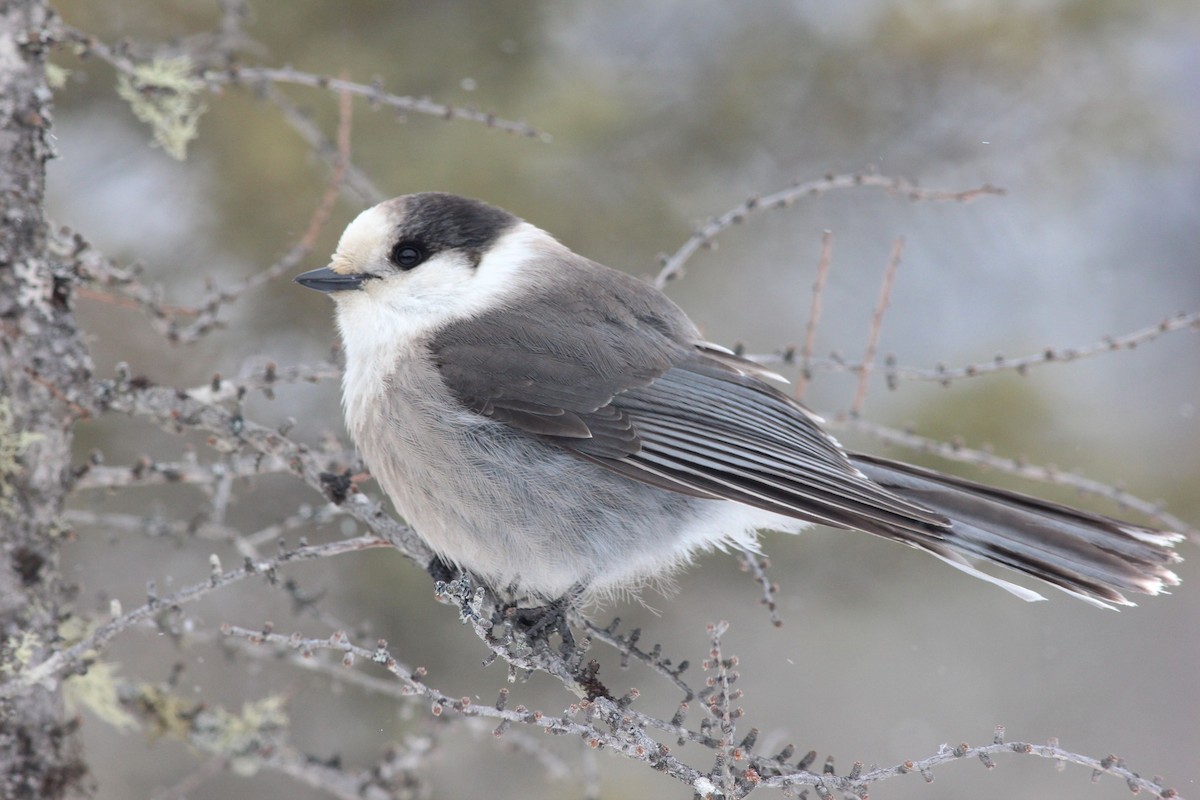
(661,115)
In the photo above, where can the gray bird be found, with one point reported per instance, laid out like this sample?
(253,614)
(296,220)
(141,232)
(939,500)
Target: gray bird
(553,425)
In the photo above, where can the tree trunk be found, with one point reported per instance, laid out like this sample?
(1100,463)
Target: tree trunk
(44,369)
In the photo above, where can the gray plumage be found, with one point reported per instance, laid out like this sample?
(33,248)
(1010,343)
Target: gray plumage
(549,423)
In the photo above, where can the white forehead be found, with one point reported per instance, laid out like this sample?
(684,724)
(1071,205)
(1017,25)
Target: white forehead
(365,240)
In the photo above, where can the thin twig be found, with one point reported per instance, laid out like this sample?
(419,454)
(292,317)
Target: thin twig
(393,690)
(364,188)
(262,378)
(1052,355)
(856,786)
(246,544)
(147,472)
(885,293)
(236,74)
(672,266)
(130,292)
(757,565)
(721,712)
(374,94)
(627,646)
(945,375)
(605,722)
(257,739)
(333,779)
(177,412)
(71,657)
(814,314)
(206,318)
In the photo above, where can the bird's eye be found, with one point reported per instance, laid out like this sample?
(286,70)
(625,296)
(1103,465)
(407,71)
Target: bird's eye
(407,255)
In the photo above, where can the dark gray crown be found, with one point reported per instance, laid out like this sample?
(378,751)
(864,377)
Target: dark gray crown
(443,221)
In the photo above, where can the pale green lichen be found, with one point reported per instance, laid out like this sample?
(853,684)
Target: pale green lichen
(165,94)
(97,691)
(75,629)
(18,652)
(241,738)
(169,715)
(13,444)
(56,76)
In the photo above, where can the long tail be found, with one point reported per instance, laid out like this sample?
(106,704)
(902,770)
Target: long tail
(1093,557)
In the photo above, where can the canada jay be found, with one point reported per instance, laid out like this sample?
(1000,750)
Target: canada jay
(551,425)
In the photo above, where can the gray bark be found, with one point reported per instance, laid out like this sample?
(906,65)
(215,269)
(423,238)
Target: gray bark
(44,373)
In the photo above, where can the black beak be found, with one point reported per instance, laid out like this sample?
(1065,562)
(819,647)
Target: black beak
(326,280)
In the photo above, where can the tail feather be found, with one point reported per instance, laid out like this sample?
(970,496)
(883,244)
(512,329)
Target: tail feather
(1094,557)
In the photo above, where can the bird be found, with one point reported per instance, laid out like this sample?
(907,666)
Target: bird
(559,428)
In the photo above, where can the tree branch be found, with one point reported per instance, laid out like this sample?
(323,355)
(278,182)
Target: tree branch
(44,364)
(704,235)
